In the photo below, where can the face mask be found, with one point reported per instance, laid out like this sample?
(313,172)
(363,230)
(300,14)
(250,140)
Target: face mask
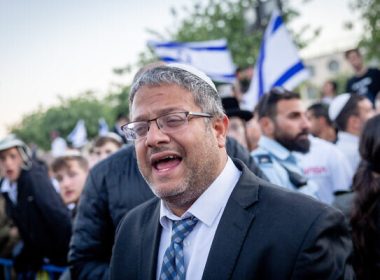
(244,84)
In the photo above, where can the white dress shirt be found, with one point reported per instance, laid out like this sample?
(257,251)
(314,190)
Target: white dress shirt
(349,145)
(208,209)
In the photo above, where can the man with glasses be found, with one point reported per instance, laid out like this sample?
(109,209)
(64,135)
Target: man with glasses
(213,218)
(113,188)
(285,129)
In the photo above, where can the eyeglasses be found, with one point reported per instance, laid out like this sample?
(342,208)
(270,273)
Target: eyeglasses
(168,123)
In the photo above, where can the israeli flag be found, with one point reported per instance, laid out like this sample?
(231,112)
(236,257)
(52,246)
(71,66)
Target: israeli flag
(78,136)
(212,57)
(103,127)
(278,63)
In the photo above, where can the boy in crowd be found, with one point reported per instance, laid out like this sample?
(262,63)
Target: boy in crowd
(71,171)
(106,145)
(35,207)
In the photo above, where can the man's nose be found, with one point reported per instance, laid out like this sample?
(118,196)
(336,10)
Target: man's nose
(64,183)
(305,122)
(155,135)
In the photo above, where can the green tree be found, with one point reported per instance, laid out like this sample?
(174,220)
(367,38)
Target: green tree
(222,20)
(118,100)
(369,11)
(36,126)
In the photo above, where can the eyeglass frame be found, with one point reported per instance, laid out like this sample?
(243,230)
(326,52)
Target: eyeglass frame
(188,114)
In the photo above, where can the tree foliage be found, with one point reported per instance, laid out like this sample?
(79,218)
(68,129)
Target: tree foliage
(370,11)
(36,126)
(222,20)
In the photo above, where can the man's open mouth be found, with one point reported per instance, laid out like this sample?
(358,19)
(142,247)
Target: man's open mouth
(166,162)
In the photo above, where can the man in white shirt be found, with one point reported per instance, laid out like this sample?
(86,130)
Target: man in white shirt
(350,112)
(58,144)
(214,219)
(326,165)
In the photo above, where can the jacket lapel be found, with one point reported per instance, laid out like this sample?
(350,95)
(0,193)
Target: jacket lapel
(151,241)
(233,227)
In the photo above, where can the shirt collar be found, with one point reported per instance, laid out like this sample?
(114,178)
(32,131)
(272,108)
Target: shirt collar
(275,148)
(7,186)
(207,207)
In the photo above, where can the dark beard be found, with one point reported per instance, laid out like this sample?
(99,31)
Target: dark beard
(296,144)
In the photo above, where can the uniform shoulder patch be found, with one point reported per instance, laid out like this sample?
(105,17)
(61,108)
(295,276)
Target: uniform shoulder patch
(263,159)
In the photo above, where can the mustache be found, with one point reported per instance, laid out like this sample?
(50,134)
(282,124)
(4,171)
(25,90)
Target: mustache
(155,150)
(304,132)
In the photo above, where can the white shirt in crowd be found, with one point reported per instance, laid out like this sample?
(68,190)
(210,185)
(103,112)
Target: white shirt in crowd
(348,144)
(58,147)
(327,166)
(208,209)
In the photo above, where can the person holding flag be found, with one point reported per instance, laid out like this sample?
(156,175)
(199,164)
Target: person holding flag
(278,63)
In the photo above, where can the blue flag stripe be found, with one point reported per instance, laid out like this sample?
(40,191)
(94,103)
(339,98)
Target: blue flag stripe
(260,69)
(277,24)
(230,76)
(289,74)
(176,45)
(168,59)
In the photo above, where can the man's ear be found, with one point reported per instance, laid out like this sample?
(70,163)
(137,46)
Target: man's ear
(267,126)
(220,128)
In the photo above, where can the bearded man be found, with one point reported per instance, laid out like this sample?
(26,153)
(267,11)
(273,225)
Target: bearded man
(285,129)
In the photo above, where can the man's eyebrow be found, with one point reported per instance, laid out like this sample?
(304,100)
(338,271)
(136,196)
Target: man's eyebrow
(160,113)
(294,113)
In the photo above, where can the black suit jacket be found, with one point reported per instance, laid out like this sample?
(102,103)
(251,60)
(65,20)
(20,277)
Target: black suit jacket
(265,233)
(114,187)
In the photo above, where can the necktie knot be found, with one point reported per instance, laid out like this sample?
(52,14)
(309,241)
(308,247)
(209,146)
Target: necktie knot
(182,228)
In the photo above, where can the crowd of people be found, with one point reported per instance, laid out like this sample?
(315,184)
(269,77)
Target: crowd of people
(190,186)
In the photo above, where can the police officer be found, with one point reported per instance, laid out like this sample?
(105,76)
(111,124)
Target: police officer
(285,129)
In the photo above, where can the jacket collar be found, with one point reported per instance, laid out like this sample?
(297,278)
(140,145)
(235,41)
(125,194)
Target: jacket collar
(233,226)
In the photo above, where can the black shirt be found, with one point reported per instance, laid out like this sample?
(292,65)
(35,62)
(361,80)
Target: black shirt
(367,85)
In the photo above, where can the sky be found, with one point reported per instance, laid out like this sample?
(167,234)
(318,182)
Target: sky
(63,48)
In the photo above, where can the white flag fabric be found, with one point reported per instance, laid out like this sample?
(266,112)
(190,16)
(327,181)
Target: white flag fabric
(212,57)
(78,136)
(278,63)
(103,127)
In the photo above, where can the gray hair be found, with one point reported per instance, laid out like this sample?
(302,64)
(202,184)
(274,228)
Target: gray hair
(204,95)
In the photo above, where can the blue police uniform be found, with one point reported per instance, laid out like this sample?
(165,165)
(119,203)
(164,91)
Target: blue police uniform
(281,167)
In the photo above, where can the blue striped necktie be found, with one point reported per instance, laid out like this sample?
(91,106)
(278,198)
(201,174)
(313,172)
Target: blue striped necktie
(173,264)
